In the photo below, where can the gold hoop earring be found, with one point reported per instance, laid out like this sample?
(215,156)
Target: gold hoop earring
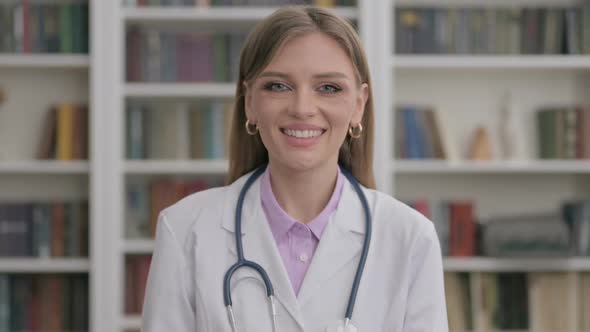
(251,131)
(358,133)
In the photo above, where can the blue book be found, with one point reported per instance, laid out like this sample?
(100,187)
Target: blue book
(412,135)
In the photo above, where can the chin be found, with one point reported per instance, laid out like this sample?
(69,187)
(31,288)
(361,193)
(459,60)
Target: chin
(301,163)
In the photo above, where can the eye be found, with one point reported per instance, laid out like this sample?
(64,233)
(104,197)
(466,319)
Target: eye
(329,88)
(276,87)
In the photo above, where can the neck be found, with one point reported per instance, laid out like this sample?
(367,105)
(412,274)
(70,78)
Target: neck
(303,195)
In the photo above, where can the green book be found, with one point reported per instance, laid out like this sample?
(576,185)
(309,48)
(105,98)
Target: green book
(4,303)
(65,29)
(77,27)
(220,58)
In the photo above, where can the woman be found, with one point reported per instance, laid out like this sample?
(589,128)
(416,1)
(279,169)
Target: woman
(303,124)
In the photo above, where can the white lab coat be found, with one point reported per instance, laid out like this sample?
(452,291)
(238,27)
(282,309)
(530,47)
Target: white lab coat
(401,289)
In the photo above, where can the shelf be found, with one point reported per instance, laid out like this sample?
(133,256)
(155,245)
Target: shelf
(44,60)
(180,90)
(44,167)
(488,264)
(211,14)
(176,167)
(491,62)
(491,167)
(131,322)
(138,246)
(486,3)
(44,265)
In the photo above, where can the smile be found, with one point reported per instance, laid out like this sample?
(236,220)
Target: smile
(302,133)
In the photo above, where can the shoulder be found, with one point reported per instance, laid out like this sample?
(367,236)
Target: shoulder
(182,215)
(200,211)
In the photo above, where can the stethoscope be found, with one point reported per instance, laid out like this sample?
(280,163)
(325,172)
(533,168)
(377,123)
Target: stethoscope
(242,262)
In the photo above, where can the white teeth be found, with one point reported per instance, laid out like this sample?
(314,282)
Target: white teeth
(302,133)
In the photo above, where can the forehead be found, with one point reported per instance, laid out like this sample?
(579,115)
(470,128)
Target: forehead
(311,53)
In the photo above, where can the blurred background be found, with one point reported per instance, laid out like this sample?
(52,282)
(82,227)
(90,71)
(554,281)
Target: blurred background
(113,110)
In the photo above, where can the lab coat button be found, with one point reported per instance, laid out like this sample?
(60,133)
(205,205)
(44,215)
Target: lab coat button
(303,257)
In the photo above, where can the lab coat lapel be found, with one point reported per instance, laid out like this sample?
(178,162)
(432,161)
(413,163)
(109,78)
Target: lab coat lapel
(341,242)
(259,245)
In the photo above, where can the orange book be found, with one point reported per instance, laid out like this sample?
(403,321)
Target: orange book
(65,132)
(325,3)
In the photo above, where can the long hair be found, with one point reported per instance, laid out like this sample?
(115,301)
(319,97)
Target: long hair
(247,152)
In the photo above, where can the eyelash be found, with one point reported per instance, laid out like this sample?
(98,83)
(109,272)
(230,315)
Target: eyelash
(271,85)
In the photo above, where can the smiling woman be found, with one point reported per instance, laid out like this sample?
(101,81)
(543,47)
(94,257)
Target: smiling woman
(299,224)
(309,70)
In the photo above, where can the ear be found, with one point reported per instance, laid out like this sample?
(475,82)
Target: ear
(361,101)
(250,114)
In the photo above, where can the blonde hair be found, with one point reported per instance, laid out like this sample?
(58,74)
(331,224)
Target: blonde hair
(247,152)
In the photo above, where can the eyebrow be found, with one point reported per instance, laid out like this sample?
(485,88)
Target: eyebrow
(332,74)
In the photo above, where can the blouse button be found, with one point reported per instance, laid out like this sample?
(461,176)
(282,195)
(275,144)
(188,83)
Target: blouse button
(303,257)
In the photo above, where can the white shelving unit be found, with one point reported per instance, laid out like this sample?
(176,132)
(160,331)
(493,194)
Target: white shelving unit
(468,90)
(493,62)
(44,265)
(468,85)
(491,167)
(44,61)
(179,90)
(212,15)
(44,167)
(32,83)
(177,167)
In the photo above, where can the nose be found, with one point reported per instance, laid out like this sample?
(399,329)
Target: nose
(303,105)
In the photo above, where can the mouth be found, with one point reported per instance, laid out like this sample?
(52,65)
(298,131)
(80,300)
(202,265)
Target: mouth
(303,134)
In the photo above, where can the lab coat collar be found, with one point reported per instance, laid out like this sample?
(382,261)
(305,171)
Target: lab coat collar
(259,244)
(341,242)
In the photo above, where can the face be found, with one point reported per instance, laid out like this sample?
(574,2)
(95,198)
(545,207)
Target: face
(304,102)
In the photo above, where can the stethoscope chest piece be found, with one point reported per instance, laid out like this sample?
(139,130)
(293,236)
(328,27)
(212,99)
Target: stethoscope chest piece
(341,327)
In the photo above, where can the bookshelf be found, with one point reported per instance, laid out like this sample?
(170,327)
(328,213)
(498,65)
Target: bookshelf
(54,67)
(469,89)
(127,171)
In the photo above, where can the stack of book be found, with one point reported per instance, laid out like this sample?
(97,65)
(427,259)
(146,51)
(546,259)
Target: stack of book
(419,133)
(184,131)
(156,55)
(455,225)
(55,229)
(43,303)
(27,27)
(564,132)
(145,201)
(64,133)
(492,30)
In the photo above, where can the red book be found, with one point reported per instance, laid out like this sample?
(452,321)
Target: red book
(143,268)
(131,306)
(422,207)
(462,237)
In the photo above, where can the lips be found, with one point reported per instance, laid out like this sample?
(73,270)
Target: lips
(302,135)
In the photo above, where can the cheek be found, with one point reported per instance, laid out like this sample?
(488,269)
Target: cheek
(339,115)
